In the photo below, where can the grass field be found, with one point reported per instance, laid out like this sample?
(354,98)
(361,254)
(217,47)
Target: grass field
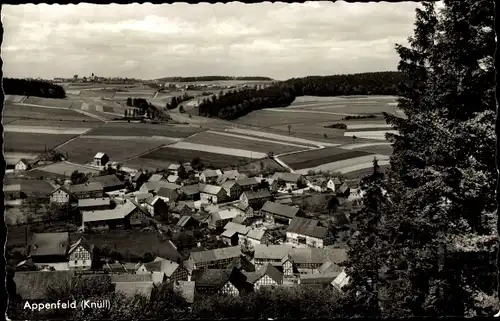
(140,129)
(50,102)
(352,164)
(169,156)
(82,150)
(318,157)
(266,118)
(33,142)
(362,173)
(257,167)
(40,113)
(215,139)
(59,170)
(55,123)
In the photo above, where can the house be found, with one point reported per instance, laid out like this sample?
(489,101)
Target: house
(267,275)
(333,183)
(109,183)
(308,232)
(138,197)
(125,215)
(212,194)
(212,259)
(50,249)
(232,189)
(220,218)
(174,179)
(276,212)
(87,190)
(138,179)
(209,176)
(291,181)
(255,199)
(167,195)
(232,174)
(132,284)
(343,190)
(244,209)
(101,159)
(340,281)
(154,205)
(247,184)
(273,184)
(175,169)
(34,285)
(60,195)
(186,289)
(150,187)
(94,204)
(319,184)
(277,255)
(81,254)
(13,192)
(319,280)
(187,221)
(309,260)
(168,271)
(155,178)
(190,192)
(227,281)
(116,268)
(256,236)
(180,209)
(233,232)
(22,165)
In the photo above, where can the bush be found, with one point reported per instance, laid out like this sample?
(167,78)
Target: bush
(337,126)
(358,117)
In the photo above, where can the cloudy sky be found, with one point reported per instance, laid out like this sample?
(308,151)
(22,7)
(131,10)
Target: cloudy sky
(151,41)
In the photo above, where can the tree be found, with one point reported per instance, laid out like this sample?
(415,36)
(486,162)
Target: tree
(196,163)
(333,203)
(78,178)
(126,113)
(289,129)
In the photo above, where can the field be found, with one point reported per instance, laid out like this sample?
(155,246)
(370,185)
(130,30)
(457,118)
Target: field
(60,169)
(318,157)
(49,102)
(32,142)
(268,118)
(163,157)
(280,137)
(82,150)
(31,186)
(54,124)
(363,172)
(257,167)
(140,129)
(236,141)
(352,164)
(41,113)
(219,150)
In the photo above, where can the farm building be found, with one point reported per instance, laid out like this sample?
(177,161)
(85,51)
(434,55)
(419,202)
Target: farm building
(255,199)
(175,169)
(267,275)
(81,255)
(291,181)
(220,218)
(94,204)
(101,159)
(87,190)
(169,271)
(138,179)
(150,187)
(273,184)
(232,189)
(333,184)
(279,213)
(226,281)
(230,175)
(187,221)
(233,233)
(190,192)
(309,260)
(304,231)
(109,183)
(210,176)
(22,165)
(213,259)
(340,281)
(245,209)
(256,236)
(125,215)
(155,206)
(61,195)
(247,184)
(318,280)
(273,254)
(212,194)
(343,190)
(155,178)
(167,195)
(50,249)
(180,209)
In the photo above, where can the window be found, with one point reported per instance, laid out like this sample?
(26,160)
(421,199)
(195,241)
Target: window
(76,261)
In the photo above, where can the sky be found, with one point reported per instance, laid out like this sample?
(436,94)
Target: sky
(148,41)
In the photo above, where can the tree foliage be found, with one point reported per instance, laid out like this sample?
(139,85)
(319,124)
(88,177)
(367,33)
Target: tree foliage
(31,87)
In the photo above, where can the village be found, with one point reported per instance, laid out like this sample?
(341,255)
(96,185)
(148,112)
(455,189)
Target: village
(218,230)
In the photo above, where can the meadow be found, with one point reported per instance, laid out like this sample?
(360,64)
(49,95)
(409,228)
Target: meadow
(318,157)
(61,170)
(141,129)
(33,142)
(268,118)
(41,113)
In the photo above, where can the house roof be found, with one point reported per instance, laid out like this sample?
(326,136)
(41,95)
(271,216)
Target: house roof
(287,177)
(115,267)
(238,228)
(100,155)
(278,252)
(228,185)
(256,234)
(81,242)
(216,278)
(118,212)
(228,233)
(247,182)
(216,254)
(174,167)
(49,244)
(152,200)
(155,178)
(252,195)
(279,209)
(342,188)
(154,186)
(107,180)
(308,227)
(269,270)
(231,174)
(184,220)
(130,289)
(210,189)
(12,188)
(139,195)
(137,175)
(33,285)
(318,256)
(341,280)
(172,178)
(211,173)
(225,214)
(328,267)
(88,202)
(86,187)
(179,207)
(172,195)
(240,219)
(167,267)
(186,289)
(190,189)
(318,278)
(24,161)
(188,167)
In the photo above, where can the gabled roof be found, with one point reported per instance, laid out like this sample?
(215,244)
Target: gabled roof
(318,278)
(100,155)
(172,178)
(172,195)
(152,200)
(252,195)
(228,185)
(307,227)
(225,214)
(118,212)
(155,178)
(190,189)
(288,177)
(12,188)
(130,289)
(245,182)
(86,187)
(184,220)
(270,252)
(211,173)
(269,270)
(88,202)
(279,209)
(61,188)
(49,244)
(231,174)
(256,234)
(174,167)
(240,229)
(342,188)
(340,281)
(135,176)
(216,254)
(81,242)
(24,161)
(153,186)
(107,180)
(167,267)
(210,189)
(34,285)
(318,256)
(215,278)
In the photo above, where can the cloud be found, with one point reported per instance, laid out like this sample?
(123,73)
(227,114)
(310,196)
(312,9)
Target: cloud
(150,41)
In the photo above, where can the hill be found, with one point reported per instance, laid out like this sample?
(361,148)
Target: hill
(214,78)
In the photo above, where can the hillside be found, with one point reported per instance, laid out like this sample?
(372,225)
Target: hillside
(214,78)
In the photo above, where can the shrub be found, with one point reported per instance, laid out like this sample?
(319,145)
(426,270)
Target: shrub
(337,126)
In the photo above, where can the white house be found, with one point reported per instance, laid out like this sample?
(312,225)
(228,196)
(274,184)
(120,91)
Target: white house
(80,255)
(101,159)
(268,275)
(212,194)
(60,195)
(22,165)
(307,232)
(333,184)
(210,176)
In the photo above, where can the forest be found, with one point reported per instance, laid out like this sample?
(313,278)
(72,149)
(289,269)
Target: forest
(31,87)
(237,103)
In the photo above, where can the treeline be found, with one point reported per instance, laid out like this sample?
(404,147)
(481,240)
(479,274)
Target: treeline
(234,104)
(214,78)
(31,87)
(176,100)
